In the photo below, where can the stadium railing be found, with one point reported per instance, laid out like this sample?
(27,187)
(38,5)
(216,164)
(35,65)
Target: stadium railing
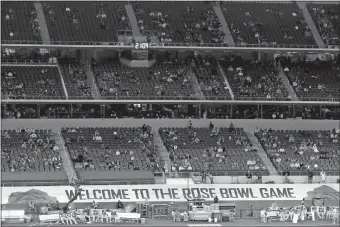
(185,46)
(152,100)
(66,183)
(53,42)
(26,62)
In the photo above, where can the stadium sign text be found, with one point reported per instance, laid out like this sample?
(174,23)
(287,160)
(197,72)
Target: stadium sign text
(167,193)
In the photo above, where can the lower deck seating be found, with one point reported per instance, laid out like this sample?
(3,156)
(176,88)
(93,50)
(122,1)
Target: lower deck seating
(223,149)
(112,148)
(292,150)
(29,150)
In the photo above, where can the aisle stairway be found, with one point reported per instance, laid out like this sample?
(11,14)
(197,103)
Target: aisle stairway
(162,151)
(262,154)
(65,156)
(42,23)
(134,24)
(287,83)
(225,28)
(311,24)
(226,82)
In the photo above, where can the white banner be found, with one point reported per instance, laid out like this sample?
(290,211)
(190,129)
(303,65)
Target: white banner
(167,193)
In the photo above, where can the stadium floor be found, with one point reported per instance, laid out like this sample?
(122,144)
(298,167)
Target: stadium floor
(169,223)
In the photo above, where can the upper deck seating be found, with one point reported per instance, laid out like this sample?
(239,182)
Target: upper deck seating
(19,21)
(327,19)
(190,22)
(267,23)
(85,21)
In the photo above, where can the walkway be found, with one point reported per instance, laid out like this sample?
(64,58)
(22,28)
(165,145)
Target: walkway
(311,24)
(226,82)
(287,83)
(65,156)
(134,24)
(42,23)
(228,38)
(262,154)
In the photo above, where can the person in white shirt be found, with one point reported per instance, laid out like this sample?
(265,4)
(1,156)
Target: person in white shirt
(263,215)
(323,176)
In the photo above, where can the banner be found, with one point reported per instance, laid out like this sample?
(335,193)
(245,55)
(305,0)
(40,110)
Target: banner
(169,193)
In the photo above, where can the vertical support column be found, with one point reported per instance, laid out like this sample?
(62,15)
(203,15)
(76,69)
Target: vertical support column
(261,111)
(150,106)
(5,107)
(294,111)
(102,111)
(71,111)
(199,111)
(231,111)
(38,110)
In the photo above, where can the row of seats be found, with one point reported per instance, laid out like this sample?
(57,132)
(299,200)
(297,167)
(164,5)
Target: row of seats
(29,150)
(112,148)
(276,23)
(190,149)
(18,21)
(228,149)
(298,149)
(166,81)
(85,21)
(192,22)
(313,80)
(31,82)
(249,22)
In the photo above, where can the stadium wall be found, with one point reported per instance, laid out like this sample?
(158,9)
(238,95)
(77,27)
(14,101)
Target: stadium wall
(287,124)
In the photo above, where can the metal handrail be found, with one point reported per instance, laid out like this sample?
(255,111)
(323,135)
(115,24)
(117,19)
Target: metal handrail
(186,174)
(227,97)
(25,62)
(66,183)
(53,42)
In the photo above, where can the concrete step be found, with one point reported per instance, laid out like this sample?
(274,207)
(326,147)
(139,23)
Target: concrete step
(311,24)
(45,35)
(228,38)
(287,83)
(226,82)
(65,156)
(262,154)
(133,20)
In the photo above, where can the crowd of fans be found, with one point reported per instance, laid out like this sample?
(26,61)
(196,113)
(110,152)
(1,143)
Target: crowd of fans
(197,149)
(29,150)
(267,23)
(255,80)
(313,79)
(180,22)
(66,21)
(20,22)
(296,150)
(30,82)
(76,82)
(169,111)
(326,18)
(112,148)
